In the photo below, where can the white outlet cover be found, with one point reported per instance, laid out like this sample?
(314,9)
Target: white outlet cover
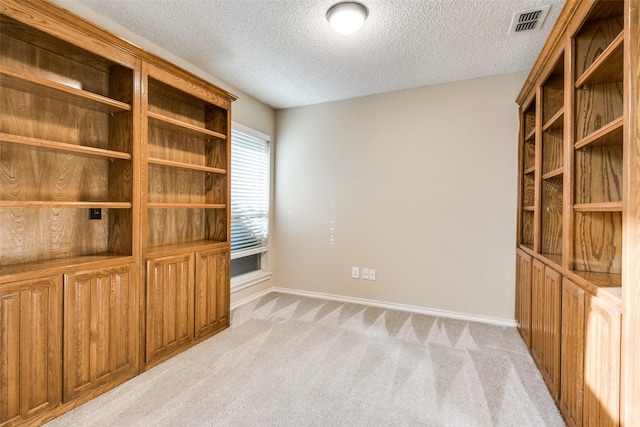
(355,272)
(372,274)
(365,273)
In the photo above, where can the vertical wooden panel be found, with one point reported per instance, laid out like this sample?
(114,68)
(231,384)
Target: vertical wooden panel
(10,352)
(572,356)
(597,242)
(552,208)
(212,283)
(170,306)
(524,302)
(100,325)
(100,335)
(552,327)
(30,346)
(77,333)
(537,312)
(545,323)
(222,274)
(631,218)
(601,364)
(120,317)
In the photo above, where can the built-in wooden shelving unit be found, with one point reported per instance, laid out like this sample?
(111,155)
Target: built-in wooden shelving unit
(90,123)
(577,288)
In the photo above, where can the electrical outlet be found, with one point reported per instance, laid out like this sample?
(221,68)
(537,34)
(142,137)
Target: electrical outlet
(355,272)
(365,273)
(95,213)
(372,274)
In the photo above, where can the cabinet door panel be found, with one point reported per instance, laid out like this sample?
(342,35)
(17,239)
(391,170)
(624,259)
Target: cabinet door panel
(545,323)
(101,328)
(212,290)
(170,299)
(537,312)
(601,364)
(523,292)
(551,352)
(30,346)
(572,356)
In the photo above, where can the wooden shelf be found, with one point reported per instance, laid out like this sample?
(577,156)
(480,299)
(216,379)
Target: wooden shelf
(529,170)
(530,135)
(173,124)
(42,87)
(555,122)
(527,246)
(554,258)
(598,207)
(183,165)
(553,173)
(181,247)
(186,205)
(601,280)
(609,134)
(528,208)
(26,204)
(607,68)
(45,266)
(64,147)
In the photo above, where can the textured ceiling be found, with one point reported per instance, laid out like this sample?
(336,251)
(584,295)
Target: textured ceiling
(284,53)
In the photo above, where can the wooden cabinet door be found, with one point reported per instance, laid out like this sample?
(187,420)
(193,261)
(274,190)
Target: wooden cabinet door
(551,329)
(30,348)
(572,356)
(170,299)
(212,291)
(601,395)
(545,323)
(537,311)
(523,294)
(100,329)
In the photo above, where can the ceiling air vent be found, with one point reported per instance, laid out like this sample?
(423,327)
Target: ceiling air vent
(526,20)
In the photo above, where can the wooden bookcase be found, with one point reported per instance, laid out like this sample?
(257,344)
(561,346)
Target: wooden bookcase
(187,210)
(578,212)
(91,123)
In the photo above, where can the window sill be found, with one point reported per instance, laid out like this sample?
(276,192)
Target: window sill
(250,279)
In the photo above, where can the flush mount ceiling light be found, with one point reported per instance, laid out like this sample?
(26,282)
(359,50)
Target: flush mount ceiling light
(347,18)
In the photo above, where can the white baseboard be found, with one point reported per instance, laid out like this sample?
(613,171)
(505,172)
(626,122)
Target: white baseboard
(382,304)
(250,298)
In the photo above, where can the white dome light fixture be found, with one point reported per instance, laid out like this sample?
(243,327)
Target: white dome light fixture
(347,18)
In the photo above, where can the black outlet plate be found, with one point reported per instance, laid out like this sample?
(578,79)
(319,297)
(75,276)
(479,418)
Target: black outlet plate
(95,213)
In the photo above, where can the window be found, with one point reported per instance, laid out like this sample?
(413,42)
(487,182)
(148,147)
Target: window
(250,161)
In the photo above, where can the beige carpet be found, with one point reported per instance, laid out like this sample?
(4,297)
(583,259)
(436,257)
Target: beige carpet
(298,361)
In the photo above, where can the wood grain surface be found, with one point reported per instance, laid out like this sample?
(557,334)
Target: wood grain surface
(528,190)
(527,228)
(598,174)
(602,349)
(211,291)
(553,92)
(596,35)
(30,350)
(170,306)
(597,242)
(100,328)
(552,148)
(572,355)
(552,209)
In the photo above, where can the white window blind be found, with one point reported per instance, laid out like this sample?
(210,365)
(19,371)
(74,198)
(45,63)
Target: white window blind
(249,192)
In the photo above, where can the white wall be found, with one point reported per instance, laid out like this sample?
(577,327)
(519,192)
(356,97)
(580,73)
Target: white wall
(419,185)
